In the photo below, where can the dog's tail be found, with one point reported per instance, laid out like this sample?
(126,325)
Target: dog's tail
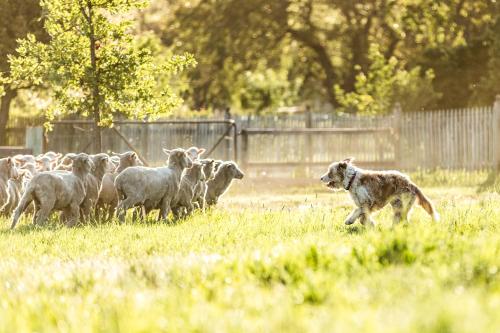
(426,203)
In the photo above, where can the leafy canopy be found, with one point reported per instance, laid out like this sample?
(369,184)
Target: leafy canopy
(124,78)
(386,83)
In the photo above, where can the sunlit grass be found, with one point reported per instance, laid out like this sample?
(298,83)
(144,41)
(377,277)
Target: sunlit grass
(255,265)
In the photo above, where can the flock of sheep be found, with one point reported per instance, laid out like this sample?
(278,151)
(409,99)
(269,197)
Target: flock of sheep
(85,187)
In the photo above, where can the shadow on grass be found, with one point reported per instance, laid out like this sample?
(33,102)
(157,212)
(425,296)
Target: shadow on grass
(27,227)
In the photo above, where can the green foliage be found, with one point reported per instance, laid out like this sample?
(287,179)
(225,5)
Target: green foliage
(93,64)
(326,43)
(261,263)
(386,83)
(264,89)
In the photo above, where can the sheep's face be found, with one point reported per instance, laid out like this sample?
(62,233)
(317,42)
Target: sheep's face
(23,159)
(335,176)
(44,163)
(194,153)
(22,175)
(217,164)
(8,168)
(179,157)
(83,163)
(101,162)
(208,168)
(129,158)
(196,171)
(233,170)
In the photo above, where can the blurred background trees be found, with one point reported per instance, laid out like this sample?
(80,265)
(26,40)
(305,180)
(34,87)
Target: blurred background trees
(346,55)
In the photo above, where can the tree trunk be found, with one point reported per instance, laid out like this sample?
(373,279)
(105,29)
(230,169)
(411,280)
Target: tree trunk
(309,40)
(4,113)
(95,88)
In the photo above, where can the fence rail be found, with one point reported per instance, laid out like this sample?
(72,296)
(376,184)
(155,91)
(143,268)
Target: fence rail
(466,138)
(147,139)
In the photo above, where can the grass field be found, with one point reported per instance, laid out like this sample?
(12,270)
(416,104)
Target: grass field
(272,259)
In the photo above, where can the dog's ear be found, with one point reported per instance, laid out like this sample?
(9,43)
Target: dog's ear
(342,165)
(349,160)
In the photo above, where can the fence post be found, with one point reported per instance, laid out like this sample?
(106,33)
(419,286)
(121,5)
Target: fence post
(309,145)
(496,134)
(244,150)
(227,116)
(398,124)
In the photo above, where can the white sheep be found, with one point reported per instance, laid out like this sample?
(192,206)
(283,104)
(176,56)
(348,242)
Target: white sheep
(194,153)
(56,190)
(15,187)
(216,187)
(108,198)
(201,187)
(151,188)
(183,202)
(8,171)
(93,183)
(23,159)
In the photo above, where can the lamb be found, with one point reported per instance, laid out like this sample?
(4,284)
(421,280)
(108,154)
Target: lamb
(56,190)
(93,183)
(151,188)
(45,163)
(184,198)
(30,167)
(8,171)
(65,162)
(194,153)
(201,186)
(15,187)
(23,159)
(108,198)
(216,187)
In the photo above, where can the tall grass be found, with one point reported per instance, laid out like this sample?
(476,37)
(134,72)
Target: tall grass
(260,268)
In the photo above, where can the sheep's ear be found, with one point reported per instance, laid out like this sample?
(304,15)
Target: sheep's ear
(11,161)
(349,160)
(166,151)
(71,156)
(201,151)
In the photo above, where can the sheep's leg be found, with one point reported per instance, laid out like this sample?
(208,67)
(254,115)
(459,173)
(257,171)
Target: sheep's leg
(122,208)
(98,211)
(189,208)
(36,209)
(85,212)
(164,210)
(44,212)
(73,216)
(111,210)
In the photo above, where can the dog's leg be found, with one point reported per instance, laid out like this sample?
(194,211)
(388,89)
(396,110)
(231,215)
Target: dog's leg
(366,219)
(408,201)
(397,207)
(355,214)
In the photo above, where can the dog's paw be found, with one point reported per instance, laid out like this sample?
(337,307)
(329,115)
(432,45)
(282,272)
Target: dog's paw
(349,221)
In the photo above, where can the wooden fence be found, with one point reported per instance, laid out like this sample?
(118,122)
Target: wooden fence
(466,138)
(448,139)
(147,139)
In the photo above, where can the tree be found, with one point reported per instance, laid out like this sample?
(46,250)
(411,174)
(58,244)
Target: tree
(94,66)
(386,83)
(327,43)
(17,19)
